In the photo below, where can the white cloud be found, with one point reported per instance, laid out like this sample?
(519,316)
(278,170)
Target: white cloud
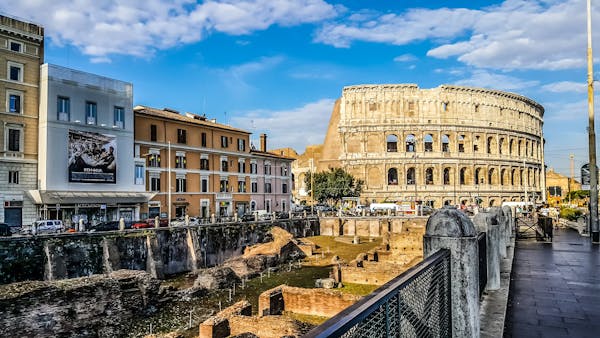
(481,78)
(237,77)
(565,87)
(405,58)
(139,28)
(295,128)
(517,34)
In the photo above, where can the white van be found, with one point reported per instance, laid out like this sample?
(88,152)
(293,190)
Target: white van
(51,225)
(262,215)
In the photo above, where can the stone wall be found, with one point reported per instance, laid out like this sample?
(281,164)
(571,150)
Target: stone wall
(95,306)
(314,302)
(366,226)
(160,252)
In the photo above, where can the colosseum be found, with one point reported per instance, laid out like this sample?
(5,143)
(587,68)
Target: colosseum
(446,145)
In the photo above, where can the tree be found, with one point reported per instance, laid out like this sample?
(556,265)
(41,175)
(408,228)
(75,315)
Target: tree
(334,184)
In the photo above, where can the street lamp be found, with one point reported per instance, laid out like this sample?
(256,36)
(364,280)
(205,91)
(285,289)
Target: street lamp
(169,183)
(312,186)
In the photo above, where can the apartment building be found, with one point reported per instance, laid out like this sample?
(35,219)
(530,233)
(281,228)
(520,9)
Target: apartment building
(21,54)
(86,167)
(201,168)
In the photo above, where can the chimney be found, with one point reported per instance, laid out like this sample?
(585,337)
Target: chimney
(263,142)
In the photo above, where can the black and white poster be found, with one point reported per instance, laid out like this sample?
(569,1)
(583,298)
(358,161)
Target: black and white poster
(92,157)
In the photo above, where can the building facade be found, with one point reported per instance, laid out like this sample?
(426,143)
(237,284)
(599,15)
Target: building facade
(21,54)
(559,186)
(209,167)
(446,145)
(86,167)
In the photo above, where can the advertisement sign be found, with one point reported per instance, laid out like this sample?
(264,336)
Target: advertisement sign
(92,157)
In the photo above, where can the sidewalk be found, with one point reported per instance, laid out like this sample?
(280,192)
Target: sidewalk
(555,288)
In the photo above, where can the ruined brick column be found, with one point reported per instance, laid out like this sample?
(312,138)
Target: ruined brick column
(510,224)
(488,222)
(504,239)
(451,229)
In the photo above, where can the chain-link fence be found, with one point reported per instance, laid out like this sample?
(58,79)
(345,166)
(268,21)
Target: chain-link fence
(414,304)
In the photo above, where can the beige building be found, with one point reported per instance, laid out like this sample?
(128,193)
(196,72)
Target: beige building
(445,145)
(21,54)
(559,186)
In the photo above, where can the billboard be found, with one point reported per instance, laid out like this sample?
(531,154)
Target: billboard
(92,157)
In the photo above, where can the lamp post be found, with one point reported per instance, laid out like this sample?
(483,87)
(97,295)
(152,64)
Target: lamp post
(312,186)
(595,232)
(169,183)
(415,172)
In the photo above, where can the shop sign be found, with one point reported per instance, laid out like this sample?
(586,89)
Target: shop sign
(102,206)
(163,215)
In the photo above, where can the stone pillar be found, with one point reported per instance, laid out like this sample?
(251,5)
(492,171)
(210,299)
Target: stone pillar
(502,223)
(488,223)
(81,225)
(121,224)
(451,229)
(187,219)
(510,224)
(156,222)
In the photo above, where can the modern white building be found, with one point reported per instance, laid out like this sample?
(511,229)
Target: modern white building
(86,167)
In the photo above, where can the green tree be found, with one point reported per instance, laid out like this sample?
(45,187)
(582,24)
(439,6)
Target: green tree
(332,185)
(578,194)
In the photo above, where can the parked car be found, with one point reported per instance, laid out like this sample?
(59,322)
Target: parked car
(247,218)
(5,230)
(163,222)
(110,226)
(15,229)
(140,225)
(50,225)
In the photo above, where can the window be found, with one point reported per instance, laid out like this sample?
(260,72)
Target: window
(180,161)
(429,176)
(224,165)
(14,140)
(267,169)
(63,108)
(15,71)
(446,176)
(461,143)
(91,113)
(253,168)
(393,176)
(462,176)
(153,133)
(224,185)
(241,186)
(204,164)
(154,160)
(392,143)
(491,175)
(224,142)
(155,183)
(284,189)
(500,144)
(181,136)
(254,186)
(267,188)
(241,144)
(13,177)
(410,143)
(139,174)
(241,167)
(489,145)
(119,113)
(478,178)
(284,170)
(428,143)
(445,143)
(203,139)
(16,46)
(204,184)
(14,102)
(180,184)
(476,144)
(410,176)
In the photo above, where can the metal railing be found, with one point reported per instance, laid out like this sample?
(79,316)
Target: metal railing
(417,303)
(482,244)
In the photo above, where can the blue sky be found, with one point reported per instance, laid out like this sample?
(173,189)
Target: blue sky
(277,66)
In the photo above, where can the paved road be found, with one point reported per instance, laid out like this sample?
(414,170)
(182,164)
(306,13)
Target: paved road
(555,288)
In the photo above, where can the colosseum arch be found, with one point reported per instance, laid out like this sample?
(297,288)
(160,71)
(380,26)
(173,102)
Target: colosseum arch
(411,177)
(411,143)
(392,176)
(429,176)
(445,143)
(392,143)
(428,143)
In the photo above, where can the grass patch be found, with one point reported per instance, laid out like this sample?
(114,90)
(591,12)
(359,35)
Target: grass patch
(358,289)
(313,320)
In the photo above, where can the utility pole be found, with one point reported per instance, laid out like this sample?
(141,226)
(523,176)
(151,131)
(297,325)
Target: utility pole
(595,232)
(312,187)
(169,184)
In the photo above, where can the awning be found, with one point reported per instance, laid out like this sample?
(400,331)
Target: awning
(77,197)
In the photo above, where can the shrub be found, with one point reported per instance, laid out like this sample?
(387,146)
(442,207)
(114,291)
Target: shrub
(570,213)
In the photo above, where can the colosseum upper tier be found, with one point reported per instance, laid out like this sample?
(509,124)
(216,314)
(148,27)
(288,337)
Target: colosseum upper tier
(445,145)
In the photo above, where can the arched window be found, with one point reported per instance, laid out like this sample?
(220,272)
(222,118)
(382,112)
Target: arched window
(446,176)
(476,144)
(492,202)
(500,144)
(445,143)
(511,144)
(462,175)
(428,143)
(429,176)
(252,206)
(461,143)
(478,177)
(392,143)
(410,176)
(410,143)
(503,177)
(519,146)
(489,145)
(392,176)
(512,177)
(521,178)
(491,176)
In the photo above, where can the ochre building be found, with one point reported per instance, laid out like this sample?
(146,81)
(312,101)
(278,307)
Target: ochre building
(446,145)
